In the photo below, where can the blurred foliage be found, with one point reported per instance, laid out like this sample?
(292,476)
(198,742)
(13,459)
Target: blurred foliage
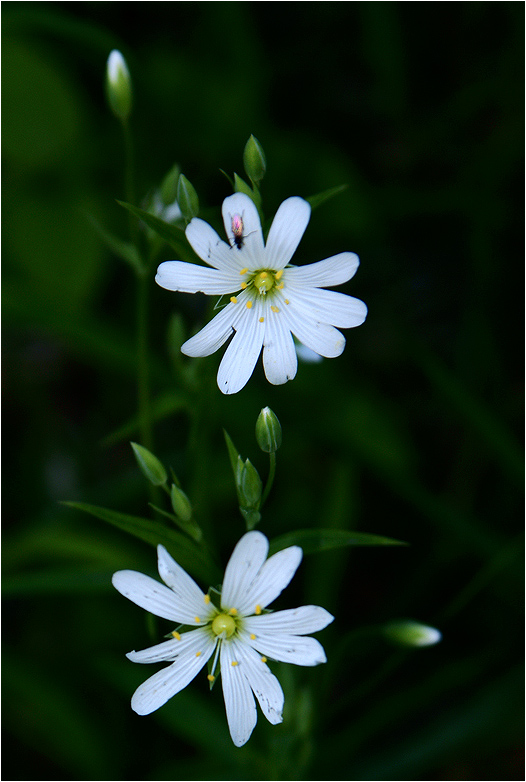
(413,434)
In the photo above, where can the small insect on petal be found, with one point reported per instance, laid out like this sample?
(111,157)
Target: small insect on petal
(237,230)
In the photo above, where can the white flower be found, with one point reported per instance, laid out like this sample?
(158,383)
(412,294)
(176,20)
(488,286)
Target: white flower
(239,631)
(269,300)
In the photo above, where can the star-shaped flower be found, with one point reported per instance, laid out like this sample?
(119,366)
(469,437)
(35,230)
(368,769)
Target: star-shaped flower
(239,631)
(269,300)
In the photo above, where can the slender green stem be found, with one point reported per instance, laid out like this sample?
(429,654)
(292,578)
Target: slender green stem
(270,479)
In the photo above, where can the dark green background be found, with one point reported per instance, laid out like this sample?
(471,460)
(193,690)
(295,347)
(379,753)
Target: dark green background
(414,433)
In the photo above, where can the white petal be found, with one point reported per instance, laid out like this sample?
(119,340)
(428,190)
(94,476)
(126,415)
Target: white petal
(263,683)
(271,580)
(190,278)
(239,702)
(295,649)
(242,354)
(213,335)
(331,307)
(245,562)
(188,644)
(251,253)
(164,684)
(323,274)
(294,621)
(285,233)
(320,337)
(279,355)
(183,586)
(210,247)
(147,593)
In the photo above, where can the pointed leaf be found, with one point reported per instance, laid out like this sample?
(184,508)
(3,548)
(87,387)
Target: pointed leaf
(319,198)
(167,231)
(313,540)
(191,557)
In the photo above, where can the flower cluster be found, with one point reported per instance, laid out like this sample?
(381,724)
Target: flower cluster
(239,634)
(270,300)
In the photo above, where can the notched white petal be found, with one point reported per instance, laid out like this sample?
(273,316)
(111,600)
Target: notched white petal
(324,274)
(285,233)
(243,566)
(147,593)
(272,579)
(239,701)
(295,621)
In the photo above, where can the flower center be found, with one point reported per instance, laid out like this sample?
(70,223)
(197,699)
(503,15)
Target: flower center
(224,624)
(265,280)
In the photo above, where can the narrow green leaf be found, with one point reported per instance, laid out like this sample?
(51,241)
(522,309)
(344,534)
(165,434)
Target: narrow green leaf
(122,249)
(191,557)
(313,540)
(319,198)
(233,454)
(167,231)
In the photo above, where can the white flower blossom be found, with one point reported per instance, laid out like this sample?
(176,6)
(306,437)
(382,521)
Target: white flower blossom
(270,300)
(240,632)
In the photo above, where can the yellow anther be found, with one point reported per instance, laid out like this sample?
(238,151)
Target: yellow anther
(196,619)
(207,599)
(233,611)
(263,659)
(252,637)
(198,654)
(280,286)
(257,610)
(233,300)
(243,271)
(287,301)
(211,678)
(176,635)
(234,663)
(249,305)
(261,320)
(279,274)
(244,285)
(274,309)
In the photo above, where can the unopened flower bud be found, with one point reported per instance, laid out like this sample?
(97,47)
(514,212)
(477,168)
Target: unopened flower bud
(268,431)
(409,633)
(254,160)
(150,465)
(181,503)
(169,185)
(118,85)
(187,198)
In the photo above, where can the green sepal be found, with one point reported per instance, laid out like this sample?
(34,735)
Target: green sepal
(254,160)
(250,486)
(325,195)
(180,503)
(209,668)
(168,231)
(234,455)
(191,557)
(228,177)
(187,198)
(150,465)
(168,188)
(313,540)
(240,186)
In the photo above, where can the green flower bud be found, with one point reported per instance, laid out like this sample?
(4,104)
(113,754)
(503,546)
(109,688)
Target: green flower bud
(249,486)
(268,431)
(187,198)
(150,465)
(181,503)
(118,86)
(408,633)
(254,160)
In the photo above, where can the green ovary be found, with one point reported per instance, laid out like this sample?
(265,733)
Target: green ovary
(265,280)
(224,624)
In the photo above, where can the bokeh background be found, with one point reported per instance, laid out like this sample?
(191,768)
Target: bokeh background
(414,433)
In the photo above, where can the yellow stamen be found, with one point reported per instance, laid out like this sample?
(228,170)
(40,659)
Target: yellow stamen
(198,654)
(274,309)
(280,286)
(176,635)
(244,285)
(233,300)
(233,611)
(211,678)
(257,610)
(252,637)
(196,619)
(263,659)
(287,301)
(243,271)
(234,662)
(279,274)
(207,599)
(249,305)
(261,320)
